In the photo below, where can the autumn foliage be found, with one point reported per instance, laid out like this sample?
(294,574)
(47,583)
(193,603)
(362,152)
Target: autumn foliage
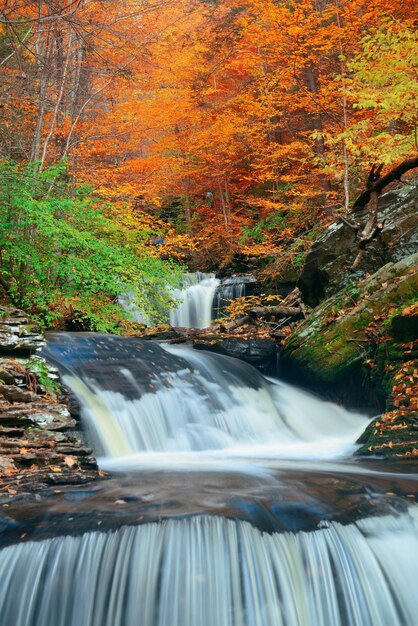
(239,127)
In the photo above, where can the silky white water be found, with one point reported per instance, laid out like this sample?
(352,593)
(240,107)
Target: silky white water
(196,298)
(201,299)
(214,409)
(210,571)
(195,301)
(186,565)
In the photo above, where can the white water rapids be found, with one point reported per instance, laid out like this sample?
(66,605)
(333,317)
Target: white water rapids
(216,409)
(201,298)
(196,298)
(188,410)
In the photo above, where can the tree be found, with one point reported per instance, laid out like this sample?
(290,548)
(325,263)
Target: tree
(383,90)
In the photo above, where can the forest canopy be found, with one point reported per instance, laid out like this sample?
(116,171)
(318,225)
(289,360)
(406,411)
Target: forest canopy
(230,127)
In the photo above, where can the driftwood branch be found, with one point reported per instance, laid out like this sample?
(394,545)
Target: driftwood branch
(294,298)
(353,225)
(381,182)
(292,307)
(237,323)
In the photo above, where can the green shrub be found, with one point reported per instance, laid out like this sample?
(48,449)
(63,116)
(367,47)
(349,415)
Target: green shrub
(62,248)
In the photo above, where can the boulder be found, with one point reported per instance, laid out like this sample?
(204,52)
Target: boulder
(260,352)
(335,341)
(327,267)
(361,346)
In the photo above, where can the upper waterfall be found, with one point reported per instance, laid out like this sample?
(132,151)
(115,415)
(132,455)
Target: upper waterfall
(202,299)
(196,298)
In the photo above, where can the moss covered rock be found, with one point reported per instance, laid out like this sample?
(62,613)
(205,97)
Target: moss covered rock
(364,340)
(336,337)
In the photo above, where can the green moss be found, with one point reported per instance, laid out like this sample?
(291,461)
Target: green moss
(330,343)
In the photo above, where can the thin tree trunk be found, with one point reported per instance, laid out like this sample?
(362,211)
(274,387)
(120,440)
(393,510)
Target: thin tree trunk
(58,102)
(345,117)
(222,200)
(41,57)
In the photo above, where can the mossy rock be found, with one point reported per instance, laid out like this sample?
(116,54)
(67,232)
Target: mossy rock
(334,340)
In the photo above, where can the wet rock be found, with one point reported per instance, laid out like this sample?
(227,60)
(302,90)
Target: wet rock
(35,429)
(12,393)
(334,339)
(230,288)
(261,353)
(405,326)
(18,334)
(88,355)
(326,270)
(349,350)
(6,463)
(46,415)
(51,416)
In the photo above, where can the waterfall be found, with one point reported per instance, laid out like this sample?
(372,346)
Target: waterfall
(229,289)
(203,407)
(254,545)
(202,299)
(211,571)
(195,309)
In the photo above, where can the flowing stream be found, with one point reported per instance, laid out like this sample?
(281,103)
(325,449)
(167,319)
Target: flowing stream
(242,504)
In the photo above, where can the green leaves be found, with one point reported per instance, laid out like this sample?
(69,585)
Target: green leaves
(67,251)
(383,89)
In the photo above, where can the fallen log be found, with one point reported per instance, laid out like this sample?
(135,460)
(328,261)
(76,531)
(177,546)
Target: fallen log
(377,183)
(237,323)
(277,311)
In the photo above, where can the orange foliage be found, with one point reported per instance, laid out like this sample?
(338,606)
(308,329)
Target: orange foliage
(229,107)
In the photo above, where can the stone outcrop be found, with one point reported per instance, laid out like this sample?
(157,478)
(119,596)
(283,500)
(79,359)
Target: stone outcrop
(362,345)
(326,270)
(18,334)
(38,442)
(259,352)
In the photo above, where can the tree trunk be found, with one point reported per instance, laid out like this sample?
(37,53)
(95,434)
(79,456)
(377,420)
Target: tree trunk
(319,144)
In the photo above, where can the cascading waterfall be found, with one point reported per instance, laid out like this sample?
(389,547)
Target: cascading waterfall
(195,309)
(195,303)
(210,571)
(158,408)
(209,407)
(202,299)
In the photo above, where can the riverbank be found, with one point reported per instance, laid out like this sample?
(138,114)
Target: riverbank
(40,444)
